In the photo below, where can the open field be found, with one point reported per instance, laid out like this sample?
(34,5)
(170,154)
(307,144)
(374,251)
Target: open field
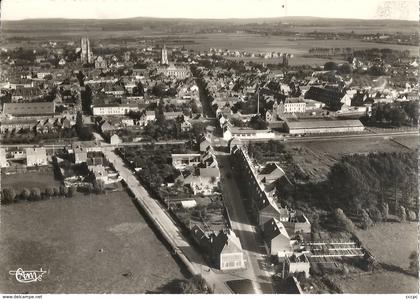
(88,244)
(410,142)
(29,180)
(401,239)
(256,42)
(337,148)
(379,283)
(297,60)
(313,163)
(391,244)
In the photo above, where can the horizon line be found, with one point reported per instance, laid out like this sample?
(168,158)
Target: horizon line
(213,18)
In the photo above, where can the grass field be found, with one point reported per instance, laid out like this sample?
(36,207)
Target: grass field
(400,238)
(390,243)
(29,180)
(410,142)
(313,163)
(379,283)
(337,148)
(88,244)
(260,43)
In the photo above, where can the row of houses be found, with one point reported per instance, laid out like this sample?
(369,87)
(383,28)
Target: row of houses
(279,223)
(49,124)
(32,156)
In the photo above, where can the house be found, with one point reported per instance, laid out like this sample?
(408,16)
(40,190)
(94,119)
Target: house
(224,249)
(289,106)
(270,173)
(114,109)
(36,156)
(297,223)
(104,174)
(172,115)
(186,126)
(100,63)
(10,125)
(324,126)
(230,132)
(115,139)
(62,62)
(181,161)
(28,109)
(204,144)
(297,263)
(227,251)
(3,159)
(269,210)
(79,155)
(172,70)
(276,237)
(26,94)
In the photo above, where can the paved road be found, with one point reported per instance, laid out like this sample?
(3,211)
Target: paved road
(252,244)
(168,228)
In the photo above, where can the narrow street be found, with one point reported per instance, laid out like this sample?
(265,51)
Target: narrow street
(251,241)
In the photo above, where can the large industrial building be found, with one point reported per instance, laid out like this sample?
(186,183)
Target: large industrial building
(323,126)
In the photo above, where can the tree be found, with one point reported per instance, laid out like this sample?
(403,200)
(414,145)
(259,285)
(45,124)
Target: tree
(63,190)
(98,186)
(402,214)
(366,221)
(25,194)
(315,224)
(258,123)
(86,96)
(71,191)
(194,285)
(49,191)
(414,262)
(56,191)
(385,210)
(411,215)
(138,90)
(375,214)
(343,221)
(8,195)
(345,68)
(330,66)
(35,194)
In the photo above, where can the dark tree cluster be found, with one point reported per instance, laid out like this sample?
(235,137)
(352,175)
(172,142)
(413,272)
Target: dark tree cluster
(395,114)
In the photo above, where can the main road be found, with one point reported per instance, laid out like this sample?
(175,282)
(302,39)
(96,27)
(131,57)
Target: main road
(251,240)
(169,230)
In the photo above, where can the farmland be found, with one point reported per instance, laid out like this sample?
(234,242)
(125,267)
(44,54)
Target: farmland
(335,149)
(103,233)
(379,283)
(398,248)
(29,180)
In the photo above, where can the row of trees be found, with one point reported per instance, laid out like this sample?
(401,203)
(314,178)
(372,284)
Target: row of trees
(368,188)
(375,181)
(10,195)
(395,114)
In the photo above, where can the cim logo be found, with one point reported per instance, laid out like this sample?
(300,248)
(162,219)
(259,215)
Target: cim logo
(27,276)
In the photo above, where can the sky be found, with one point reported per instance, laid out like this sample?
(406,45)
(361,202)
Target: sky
(113,9)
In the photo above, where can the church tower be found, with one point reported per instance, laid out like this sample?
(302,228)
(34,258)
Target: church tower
(86,55)
(164,59)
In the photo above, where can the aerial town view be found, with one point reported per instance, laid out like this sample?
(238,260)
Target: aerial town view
(256,151)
